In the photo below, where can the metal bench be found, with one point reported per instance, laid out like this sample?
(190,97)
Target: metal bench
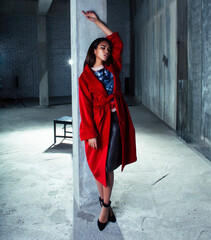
(65,120)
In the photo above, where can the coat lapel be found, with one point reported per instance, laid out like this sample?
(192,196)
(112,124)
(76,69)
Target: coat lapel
(93,80)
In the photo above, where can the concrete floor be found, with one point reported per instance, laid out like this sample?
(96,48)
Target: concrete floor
(164,195)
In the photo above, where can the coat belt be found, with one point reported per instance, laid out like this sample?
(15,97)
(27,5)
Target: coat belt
(116,96)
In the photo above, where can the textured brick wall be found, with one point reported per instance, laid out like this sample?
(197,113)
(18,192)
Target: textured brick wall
(18,56)
(58,42)
(199,69)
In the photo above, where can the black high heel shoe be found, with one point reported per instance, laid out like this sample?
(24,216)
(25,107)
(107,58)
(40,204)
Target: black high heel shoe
(110,218)
(101,201)
(101,225)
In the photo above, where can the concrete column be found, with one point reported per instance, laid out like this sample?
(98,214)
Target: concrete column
(42,55)
(83,32)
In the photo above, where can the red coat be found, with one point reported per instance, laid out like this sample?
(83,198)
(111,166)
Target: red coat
(96,115)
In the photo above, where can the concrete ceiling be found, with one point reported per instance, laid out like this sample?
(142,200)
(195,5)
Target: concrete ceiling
(60,8)
(43,6)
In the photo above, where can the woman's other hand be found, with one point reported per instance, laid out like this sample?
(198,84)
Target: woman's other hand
(90,15)
(93,143)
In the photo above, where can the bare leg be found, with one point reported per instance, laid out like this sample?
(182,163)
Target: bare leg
(107,191)
(106,196)
(100,188)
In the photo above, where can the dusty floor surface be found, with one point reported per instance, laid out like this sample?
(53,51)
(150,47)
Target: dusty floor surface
(164,195)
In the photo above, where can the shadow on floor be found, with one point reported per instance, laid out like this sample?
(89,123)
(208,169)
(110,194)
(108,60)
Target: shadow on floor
(60,148)
(85,225)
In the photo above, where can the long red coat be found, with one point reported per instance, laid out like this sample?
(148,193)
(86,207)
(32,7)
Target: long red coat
(96,115)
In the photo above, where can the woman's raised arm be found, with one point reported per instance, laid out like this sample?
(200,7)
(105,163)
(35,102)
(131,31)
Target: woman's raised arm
(91,16)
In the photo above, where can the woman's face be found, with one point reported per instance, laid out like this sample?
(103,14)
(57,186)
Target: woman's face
(103,51)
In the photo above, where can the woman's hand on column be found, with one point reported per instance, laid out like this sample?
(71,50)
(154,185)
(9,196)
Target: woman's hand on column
(93,143)
(91,16)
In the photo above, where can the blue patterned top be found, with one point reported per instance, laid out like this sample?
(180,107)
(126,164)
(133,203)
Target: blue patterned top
(106,78)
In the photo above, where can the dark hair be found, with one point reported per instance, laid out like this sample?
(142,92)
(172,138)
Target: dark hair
(90,56)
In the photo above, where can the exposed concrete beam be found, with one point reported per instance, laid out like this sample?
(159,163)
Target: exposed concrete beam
(43,6)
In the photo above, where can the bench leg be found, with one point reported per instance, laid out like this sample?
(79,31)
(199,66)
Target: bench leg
(64,130)
(54,132)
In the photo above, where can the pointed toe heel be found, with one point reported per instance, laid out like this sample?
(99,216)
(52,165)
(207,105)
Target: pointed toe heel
(101,225)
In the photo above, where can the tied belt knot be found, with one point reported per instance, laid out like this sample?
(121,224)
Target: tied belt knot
(116,96)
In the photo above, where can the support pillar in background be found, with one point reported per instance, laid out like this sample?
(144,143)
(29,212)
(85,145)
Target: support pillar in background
(83,32)
(42,9)
(42,54)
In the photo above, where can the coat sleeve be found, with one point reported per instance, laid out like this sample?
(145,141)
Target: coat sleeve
(117,49)
(87,125)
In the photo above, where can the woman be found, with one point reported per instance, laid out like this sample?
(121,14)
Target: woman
(106,125)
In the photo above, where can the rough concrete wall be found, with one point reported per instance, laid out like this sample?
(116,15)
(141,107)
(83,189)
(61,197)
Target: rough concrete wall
(58,43)
(155,38)
(199,68)
(206,70)
(18,47)
(119,21)
(194,66)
